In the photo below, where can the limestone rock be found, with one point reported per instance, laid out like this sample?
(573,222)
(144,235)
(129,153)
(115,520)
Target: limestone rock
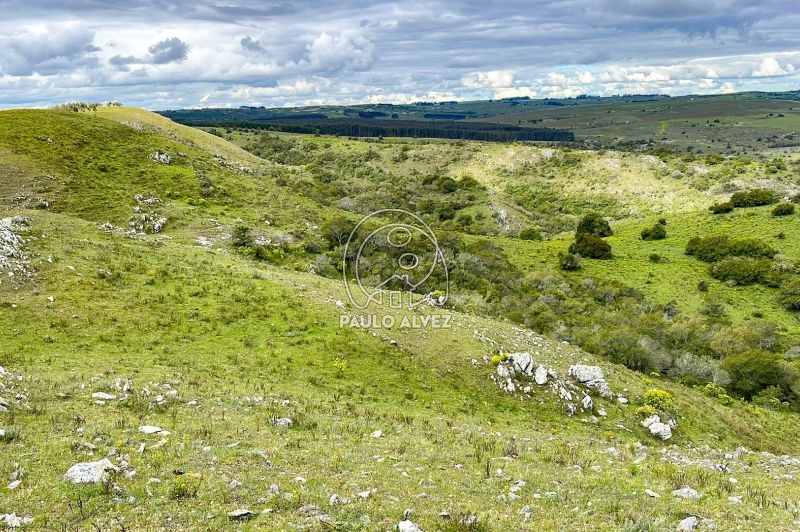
(89,472)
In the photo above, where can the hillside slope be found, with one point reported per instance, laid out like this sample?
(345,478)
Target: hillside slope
(214,348)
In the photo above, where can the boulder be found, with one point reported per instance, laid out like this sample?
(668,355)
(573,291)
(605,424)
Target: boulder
(102,396)
(540,377)
(586,374)
(688,524)
(687,493)
(282,422)
(408,526)
(241,514)
(90,472)
(521,363)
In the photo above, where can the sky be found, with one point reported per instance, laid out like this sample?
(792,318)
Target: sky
(167,55)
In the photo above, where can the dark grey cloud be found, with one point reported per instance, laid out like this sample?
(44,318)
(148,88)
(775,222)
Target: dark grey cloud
(252,45)
(304,51)
(172,50)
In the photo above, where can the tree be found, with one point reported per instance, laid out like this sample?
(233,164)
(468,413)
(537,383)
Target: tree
(337,231)
(593,224)
(754,371)
(657,232)
(242,236)
(590,246)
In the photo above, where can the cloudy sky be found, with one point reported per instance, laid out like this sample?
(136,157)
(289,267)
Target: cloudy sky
(158,54)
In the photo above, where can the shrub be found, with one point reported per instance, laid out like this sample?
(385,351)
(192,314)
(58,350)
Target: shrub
(591,246)
(790,293)
(242,236)
(659,399)
(717,247)
(718,392)
(657,232)
(337,231)
(702,286)
(645,411)
(740,271)
(654,257)
(754,371)
(530,233)
(721,208)
(569,262)
(753,198)
(783,209)
(593,224)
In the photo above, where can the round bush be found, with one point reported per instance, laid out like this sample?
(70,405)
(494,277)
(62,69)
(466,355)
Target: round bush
(790,293)
(591,246)
(593,224)
(721,208)
(783,209)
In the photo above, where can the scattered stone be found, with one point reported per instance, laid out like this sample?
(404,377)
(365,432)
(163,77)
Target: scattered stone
(235,485)
(540,377)
(89,472)
(151,429)
(586,402)
(687,493)
(102,396)
(622,400)
(159,157)
(657,428)
(591,377)
(282,422)
(408,526)
(334,500)
(15,521)
(735,500)
(377,434)
(688,524)
(15,484)
(652,494)
(241,514)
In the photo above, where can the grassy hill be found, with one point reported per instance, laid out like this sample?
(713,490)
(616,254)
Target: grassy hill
(213,344)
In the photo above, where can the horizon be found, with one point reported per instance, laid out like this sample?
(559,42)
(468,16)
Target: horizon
(187,55)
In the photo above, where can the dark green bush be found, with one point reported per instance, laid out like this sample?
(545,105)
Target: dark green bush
(753,198)
(753,371)
(530,233)
(717,247)
(593,224)
(741,271)
(657,232)
(590,246)
(783,209)
(790,293)
(721,208)
(242,236)
(569,261)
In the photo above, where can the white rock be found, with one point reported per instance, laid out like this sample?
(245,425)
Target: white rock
(299,480)
(735,500)
(377,434)
(14,521)
(585,374)
(687,493)
(521,363)
(89,472)
(586,402)
(364,494)
(282,422)
(622,400)
(408,526)
(240,514)
(688,524)
(103,396)
(14,485)
(540,377)
(235,485)
(151,429)
(652,494)
(334,500)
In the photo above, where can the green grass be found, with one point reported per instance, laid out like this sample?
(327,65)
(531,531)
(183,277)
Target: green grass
(250,342)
